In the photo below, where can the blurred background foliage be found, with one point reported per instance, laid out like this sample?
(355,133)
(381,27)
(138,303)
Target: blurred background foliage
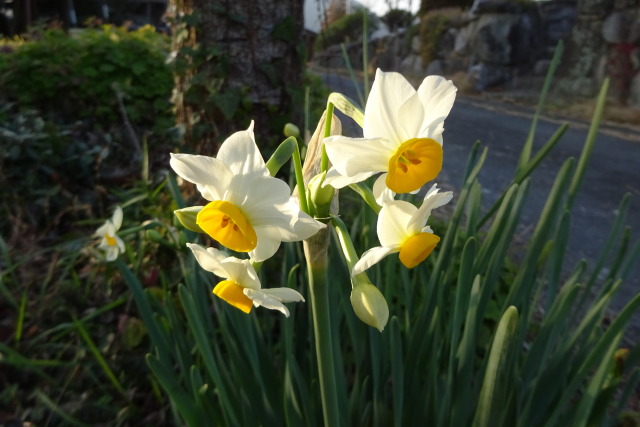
(87,122)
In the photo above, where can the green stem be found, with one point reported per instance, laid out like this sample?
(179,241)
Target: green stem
(324,163)
(350,255)
(348,250)
(316,255)
(367,195)
(297,167)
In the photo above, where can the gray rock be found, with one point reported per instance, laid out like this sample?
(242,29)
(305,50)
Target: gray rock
(487,76)
(411,65)
(415,44)
(435,67)
(491,42)
(613,28)
(634,91)
(541,66)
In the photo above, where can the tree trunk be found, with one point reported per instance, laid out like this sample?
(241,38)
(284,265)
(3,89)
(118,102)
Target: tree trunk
(236,61)
(584,49)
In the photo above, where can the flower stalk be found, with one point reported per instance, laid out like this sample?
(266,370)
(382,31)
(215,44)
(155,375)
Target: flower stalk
(315,250)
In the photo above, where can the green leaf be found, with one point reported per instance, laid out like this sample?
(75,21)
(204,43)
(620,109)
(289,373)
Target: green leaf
(347,106)
(281,156)
(498,376)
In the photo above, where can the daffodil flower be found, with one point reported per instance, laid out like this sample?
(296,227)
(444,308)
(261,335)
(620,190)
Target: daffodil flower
(248,210)
(241,287)
(402,135)
(110,243)
(402,228)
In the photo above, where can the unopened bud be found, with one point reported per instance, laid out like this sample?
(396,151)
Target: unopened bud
(188,216)
(369,304)
(319,195)
(291,130)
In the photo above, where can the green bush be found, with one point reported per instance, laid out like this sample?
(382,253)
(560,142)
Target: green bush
(346,29)
(75,77)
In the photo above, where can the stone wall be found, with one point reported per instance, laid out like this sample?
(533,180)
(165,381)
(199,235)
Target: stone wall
(504,40)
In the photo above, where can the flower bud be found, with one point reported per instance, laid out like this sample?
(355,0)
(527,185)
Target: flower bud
(291,130)
(369,304)
(187,217)
(319,195)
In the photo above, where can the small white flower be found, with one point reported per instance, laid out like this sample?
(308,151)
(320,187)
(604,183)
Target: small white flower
(249,211)
(402,228)
(241,287)
(111,243)
(402,135)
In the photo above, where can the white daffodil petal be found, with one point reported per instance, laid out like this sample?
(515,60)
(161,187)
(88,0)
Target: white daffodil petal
(437,95)
(392,222)
(116,219)
(106,229)
(112,253)
(241,271)
(259,298)
(304,228)
(336,180)
(381,192)
(267,245)
(241,155)
(372,257)
(210,175)
(411,115)
(209,259)
(264,199)
(388,93)
(351,156)
(119,243)
(432,200)
(284,294)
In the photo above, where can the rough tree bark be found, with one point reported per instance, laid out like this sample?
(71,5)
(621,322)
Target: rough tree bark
(237,60)
(584,50)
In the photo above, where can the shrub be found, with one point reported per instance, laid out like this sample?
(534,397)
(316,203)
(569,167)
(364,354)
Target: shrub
(70,78)
(345,29)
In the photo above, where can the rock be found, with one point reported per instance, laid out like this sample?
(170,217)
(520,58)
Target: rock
(415,44)
(634,91)
(613,28)
(435,68)
(411,65)
(491,43)
(634,31)
(447,42)
(462,44)
(507,39)
(487,76)
(558,18)
(541,66)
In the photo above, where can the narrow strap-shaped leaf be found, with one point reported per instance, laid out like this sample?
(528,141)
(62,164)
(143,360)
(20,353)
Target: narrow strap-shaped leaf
(495,384)
(397,373)
(526,150)
(354,80)
(589,143)
(180,398)
(348,107)
(282,155)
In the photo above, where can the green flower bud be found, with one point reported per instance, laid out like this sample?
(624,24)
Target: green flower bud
(291,130)
(187,217)
(154,236)
(369,304)
(318,195)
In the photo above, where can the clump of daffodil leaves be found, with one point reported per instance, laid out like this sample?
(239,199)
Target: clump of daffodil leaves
(251,212)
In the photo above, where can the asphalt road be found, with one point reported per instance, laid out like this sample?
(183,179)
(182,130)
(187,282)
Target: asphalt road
(613,170)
